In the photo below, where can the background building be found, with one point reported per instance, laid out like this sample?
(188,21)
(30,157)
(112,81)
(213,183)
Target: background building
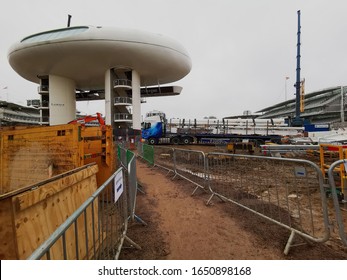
(12,114)
(327,106)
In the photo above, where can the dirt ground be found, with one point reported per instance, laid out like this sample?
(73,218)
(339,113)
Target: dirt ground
(182,227)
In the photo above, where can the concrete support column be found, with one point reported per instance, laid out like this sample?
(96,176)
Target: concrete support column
(62,100)
(136,97)
(109,111)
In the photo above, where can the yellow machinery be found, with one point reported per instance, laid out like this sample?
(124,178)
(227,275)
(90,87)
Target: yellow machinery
(330,153)
(244,146)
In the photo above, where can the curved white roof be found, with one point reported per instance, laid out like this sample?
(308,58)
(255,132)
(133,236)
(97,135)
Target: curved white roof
(84,53)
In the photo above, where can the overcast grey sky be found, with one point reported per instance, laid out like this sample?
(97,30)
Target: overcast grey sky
(241,50)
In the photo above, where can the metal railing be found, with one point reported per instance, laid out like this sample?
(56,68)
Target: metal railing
(44,104)
(123,117)
(128,162)
(164,158)
(122,82)
(342,229)
(146,152)
(287,192)
(122,100)
(43,89)
(122,155)
(177,161)
(104,215)
(187,164)
(190,165)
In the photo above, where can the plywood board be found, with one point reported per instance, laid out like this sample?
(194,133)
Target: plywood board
(35,154)
(29,218)
(7,231)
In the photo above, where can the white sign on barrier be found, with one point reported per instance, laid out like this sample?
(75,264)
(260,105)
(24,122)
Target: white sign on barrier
(300,171)
(118,185)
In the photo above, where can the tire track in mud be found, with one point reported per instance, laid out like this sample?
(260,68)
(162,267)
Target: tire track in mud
(186,228)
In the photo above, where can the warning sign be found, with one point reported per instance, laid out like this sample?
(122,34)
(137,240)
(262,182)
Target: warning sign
(118,186)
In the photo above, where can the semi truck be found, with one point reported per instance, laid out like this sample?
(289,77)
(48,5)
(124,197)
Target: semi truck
(156,129)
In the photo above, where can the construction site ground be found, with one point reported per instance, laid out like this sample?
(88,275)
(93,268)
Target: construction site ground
(181,227)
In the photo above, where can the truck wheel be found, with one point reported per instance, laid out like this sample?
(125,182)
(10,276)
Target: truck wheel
(175,140)
(152,141)
(186,140)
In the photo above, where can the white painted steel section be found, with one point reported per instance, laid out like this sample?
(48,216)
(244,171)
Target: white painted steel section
(62,100)
(154,56)
(108,98)
(136,99)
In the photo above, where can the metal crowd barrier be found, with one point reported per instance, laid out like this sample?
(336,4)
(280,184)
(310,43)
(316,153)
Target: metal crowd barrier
(342,229)
(131,167)
(128,162)
(139,148)
(190,165)
(122,155)
(187,164)
(178,161)
(106,212)
(164,158)
(284,191)
(146,152)
(288,192)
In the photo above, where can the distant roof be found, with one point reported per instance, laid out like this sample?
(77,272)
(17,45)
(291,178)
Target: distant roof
(15,106)
(251,116)
(307,95)
(323,106)
(54,34)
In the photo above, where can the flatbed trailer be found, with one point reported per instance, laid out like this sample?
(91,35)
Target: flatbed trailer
(156,130)
(206,139)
